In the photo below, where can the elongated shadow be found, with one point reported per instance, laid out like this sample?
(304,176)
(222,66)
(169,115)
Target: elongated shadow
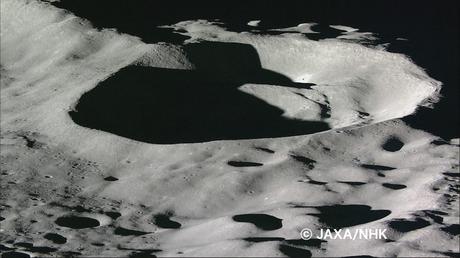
(168,106)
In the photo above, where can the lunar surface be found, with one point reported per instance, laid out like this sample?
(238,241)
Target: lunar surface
(227,142)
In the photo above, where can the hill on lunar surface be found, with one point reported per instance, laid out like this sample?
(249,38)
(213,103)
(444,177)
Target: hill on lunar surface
(203,138)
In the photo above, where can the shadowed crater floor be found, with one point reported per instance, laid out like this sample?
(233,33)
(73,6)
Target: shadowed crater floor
(262,221)
(77,222)
(168,106)
(341,216)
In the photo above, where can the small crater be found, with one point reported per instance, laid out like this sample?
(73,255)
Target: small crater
(296,252)
(77,222)
(55,238)
(377,167)
(437,212)
(363,114)
(15,255)
(392,144)
(164,221)
(352,183)
(434,217)
(244,164)
(394,186)
(110,178)
(31,143)
(404,226)
(23,244)
(41,249)
(308,162)
(262,221)
(262,239)
(128,232)
(451,254)
(451,174)
(267,150)
(340,216)
(313,182)
(141,255)
(453,229)
(439,142)
(310,242)
(140,252)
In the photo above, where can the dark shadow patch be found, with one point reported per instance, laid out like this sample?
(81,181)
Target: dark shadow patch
(451,174)
(244,164)
(23,244)
(363,114)
(404,226)
(267,150)
(439,142)
(394,186)
(262,221)
(294,252)
(55,238)
(434,216)
(110,178)
(41,249)
(453,229)
(37,249)
(392,144)
(437,212)
(314,182)
(15,255)
(306,161)
(323,32)
(128,232)
(140,252)
(262,239)
(164,221)
(77,222)
(168,106)
(310,242)
(31,143)
(451,254)
(325,112)
(341,216)
(5,248)
(352,183)
(377,167)
(141,255)
(113,214)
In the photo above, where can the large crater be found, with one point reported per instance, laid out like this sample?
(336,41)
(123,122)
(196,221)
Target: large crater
(241,86)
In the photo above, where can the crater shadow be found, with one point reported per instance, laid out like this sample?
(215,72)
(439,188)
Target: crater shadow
(168,106)
(342,216)
(77,222)
(261,221)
